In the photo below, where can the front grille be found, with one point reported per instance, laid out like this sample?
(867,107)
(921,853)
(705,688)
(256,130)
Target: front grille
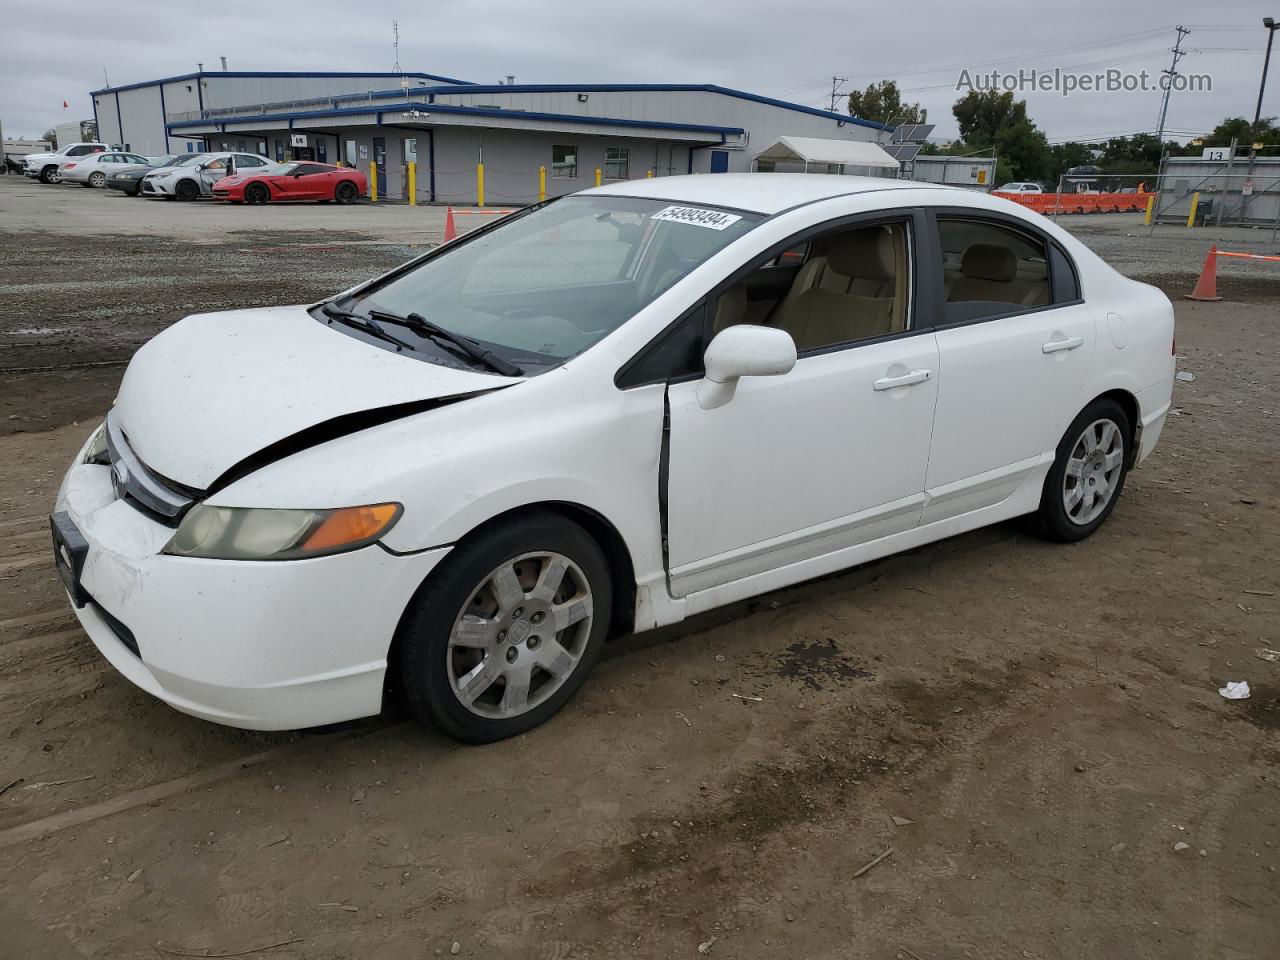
(147,187)
(140,486)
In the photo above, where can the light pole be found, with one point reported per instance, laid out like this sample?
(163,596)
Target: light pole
(1271,25)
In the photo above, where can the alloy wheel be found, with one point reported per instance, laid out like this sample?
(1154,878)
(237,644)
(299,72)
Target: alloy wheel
(520,635)
(1093,471)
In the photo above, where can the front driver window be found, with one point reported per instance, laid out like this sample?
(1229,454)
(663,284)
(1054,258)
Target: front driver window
(852,284)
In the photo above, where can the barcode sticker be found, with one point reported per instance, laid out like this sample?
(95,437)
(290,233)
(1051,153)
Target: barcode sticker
(698,217)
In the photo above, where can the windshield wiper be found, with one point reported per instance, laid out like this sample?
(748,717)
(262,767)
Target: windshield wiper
(368,324)
(425,328)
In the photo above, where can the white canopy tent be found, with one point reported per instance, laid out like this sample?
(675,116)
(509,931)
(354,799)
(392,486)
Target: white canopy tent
(838,154)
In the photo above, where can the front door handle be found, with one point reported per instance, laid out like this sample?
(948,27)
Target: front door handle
(906,380)
(1068,343)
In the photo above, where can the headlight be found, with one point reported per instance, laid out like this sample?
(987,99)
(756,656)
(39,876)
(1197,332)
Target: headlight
(95,450)
(128,176)
(239,533)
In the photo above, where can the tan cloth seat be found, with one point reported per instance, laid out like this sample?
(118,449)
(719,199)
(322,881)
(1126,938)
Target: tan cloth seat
(989,271)
(852,292)
(731,308)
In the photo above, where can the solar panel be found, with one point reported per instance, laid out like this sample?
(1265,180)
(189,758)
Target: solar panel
(908,132)
(902,152)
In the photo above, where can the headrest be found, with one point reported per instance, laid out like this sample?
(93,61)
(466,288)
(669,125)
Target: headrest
(867,254)
(989,261)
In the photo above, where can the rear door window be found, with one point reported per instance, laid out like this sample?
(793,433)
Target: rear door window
(991,269)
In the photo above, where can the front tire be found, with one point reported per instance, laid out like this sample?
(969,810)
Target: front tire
(186,190)
(256,193)
(50,175)
(506,630)
(1088,473)
(97,179)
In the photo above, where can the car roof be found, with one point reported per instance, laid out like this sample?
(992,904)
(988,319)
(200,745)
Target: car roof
(760,192)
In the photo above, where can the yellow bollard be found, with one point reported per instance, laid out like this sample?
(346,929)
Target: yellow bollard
(1151,211)
(649,173)
(413,184)
(373,183)
(597,176)
(542,184)
(479,184)
(1195,202)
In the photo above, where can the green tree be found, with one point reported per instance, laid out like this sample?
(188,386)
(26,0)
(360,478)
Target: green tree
(982,114)
(882,102)
(1025,150)
(1242,130)
(52,136)
(1068,155)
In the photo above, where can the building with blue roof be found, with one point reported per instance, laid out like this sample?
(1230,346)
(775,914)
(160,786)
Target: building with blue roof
(525,135)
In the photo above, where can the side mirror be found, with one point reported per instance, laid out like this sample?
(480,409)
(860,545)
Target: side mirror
(199,167)
(745,350)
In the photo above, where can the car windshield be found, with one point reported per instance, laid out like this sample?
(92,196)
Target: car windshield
(190,159)
(174,160)
(551,282)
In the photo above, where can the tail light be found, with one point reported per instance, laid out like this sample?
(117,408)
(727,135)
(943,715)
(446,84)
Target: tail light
(70,165)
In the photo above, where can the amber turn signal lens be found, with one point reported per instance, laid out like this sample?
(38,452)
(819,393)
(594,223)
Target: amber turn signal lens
(352,525)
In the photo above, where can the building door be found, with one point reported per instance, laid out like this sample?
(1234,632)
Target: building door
(719,161)
(380,159)
(322,150)
(408,155)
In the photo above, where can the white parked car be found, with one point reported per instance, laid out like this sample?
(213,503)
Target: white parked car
(44,166)
(602,414)
(195,176)
(93,169)
(1019,188)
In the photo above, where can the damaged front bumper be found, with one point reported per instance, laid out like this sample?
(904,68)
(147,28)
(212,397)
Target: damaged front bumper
(269,645)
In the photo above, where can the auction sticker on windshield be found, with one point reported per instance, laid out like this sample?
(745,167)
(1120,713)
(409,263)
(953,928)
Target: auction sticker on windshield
(698,217)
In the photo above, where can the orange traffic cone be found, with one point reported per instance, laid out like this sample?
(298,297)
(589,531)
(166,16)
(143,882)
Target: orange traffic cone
(1207,285)
(450,230)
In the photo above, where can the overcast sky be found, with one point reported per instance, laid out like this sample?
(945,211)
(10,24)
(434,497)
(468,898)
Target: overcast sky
(56,51)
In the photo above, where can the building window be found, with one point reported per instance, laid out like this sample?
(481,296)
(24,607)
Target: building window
(564,162)
(616,163)
(351,153)
(410,150)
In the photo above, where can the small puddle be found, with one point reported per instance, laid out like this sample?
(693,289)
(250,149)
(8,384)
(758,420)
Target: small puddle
(813,663)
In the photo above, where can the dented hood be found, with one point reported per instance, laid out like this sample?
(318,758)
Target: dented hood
(215,389)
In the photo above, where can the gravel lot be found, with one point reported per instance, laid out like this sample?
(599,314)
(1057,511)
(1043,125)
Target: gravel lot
(1026,730)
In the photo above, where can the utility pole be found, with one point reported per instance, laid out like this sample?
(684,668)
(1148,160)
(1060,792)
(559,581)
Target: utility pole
(1271,26)
(1171,73)
(835,90)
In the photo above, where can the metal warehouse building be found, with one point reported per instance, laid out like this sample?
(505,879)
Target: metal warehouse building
(448,127)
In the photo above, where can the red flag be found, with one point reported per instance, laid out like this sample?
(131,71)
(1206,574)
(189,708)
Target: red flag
(65,105)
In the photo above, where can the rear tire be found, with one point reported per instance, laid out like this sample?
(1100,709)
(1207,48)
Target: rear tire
(482,663)
(186,190)
(1087,477)
(345,192)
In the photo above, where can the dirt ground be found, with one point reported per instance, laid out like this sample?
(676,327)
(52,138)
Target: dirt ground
(1017,734)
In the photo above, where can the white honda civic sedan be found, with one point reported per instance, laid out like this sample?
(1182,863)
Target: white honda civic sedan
(601,414)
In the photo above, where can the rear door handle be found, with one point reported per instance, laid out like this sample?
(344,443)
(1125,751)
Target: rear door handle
(1069,343)
(906,380)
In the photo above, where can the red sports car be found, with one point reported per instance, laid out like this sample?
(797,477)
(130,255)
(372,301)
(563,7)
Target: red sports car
(296,181)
